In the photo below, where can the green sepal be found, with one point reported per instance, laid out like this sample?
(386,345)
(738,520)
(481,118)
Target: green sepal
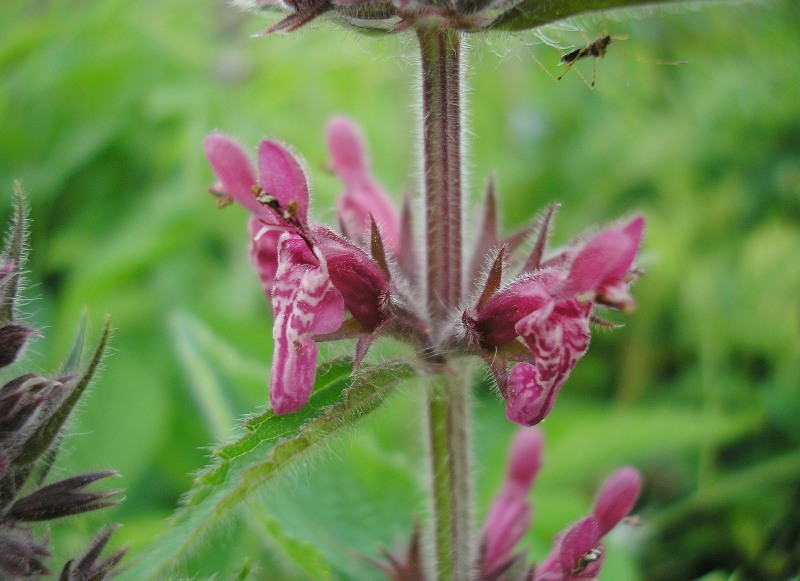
(72,363)
(48,433)
(15,250)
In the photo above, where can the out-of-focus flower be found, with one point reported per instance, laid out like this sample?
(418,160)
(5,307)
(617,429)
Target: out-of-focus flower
(578,552)
(511,512)
(362,200)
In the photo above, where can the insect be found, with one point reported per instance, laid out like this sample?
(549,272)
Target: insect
(595,49)
(586,559)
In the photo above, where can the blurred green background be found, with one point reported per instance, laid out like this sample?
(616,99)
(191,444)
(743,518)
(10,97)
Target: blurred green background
(103,108)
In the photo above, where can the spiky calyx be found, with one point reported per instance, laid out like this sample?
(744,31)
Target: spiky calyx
(33,412)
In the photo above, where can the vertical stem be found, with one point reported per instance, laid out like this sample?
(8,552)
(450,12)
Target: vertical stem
(447,410)
(441,103)
(448,438)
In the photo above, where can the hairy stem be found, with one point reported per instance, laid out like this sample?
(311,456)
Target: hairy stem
(448,436)
(448,399)
(441,103)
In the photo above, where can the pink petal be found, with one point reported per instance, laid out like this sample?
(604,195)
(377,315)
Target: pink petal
(509,518)
(362,197)
(294,365)
(635,229)
(362,283)
(526,457)
(549,569)
(511,512)
(605,258)
(280,175)
(529,400)
(496,320)
(304,303)
(346,144)
(234,171)
(576,547)
(263,251)
(616,498)
(558,336)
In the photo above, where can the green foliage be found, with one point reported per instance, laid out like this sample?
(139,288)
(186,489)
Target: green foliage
(269,446)
(104,106)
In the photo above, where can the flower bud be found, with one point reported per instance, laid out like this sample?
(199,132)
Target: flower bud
(616,498)
(511,512)
(13,338)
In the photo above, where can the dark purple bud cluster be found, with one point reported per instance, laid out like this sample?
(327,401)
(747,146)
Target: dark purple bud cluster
(33,411)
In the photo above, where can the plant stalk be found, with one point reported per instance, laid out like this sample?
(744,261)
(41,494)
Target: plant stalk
(441,109)
(448,398)
(451,486)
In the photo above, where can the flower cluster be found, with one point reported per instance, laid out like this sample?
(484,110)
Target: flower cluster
(311,273)
(531,330)
(33,411)
(577,551)
(549,306)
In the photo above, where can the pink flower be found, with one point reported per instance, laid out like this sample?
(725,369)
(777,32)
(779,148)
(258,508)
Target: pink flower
(616,498)
(558,336)
(511,512)
(601,267)
(577,552)
(304,302)
(362,199)
(309,272)
(237,180)
(549,309)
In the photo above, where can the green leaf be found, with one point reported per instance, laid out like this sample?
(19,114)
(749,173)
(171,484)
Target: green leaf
(245,572)
(535,13)
(728,488)
(304,555)
(268,447)
(193,341)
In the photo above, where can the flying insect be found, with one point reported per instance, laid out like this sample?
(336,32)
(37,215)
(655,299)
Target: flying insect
(596,49)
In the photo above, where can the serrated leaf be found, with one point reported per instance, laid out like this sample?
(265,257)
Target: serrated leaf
(270,445)
(303,554)
(535,13)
